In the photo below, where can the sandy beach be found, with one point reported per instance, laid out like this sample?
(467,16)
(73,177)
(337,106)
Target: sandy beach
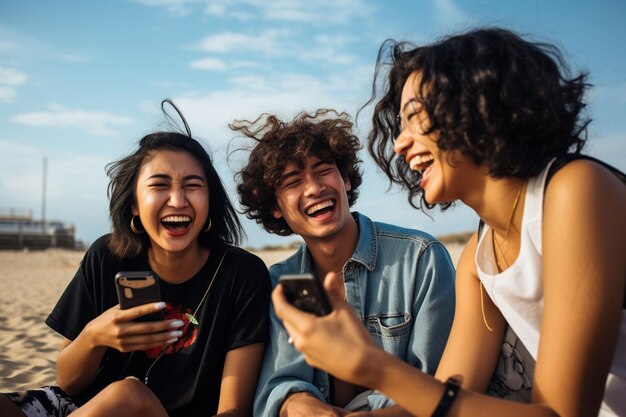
(30,285)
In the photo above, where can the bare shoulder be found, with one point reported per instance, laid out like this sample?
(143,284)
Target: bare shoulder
(587,190)
(584,174)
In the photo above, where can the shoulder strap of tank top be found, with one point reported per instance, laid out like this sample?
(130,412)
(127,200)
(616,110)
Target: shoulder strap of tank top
(564,159)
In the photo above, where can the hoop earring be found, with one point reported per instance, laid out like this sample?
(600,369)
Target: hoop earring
(208,228)
(133,227)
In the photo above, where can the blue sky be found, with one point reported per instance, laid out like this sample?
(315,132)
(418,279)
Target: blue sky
(81,82)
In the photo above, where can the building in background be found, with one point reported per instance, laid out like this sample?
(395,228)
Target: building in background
(18,230)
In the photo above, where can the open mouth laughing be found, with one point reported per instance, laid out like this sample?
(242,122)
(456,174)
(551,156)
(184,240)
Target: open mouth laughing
(176,223)
(320,208)
(421,162)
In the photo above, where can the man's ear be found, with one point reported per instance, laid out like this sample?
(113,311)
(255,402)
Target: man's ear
(346,182)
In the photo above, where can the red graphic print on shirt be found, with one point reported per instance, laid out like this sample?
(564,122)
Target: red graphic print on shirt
(189,329)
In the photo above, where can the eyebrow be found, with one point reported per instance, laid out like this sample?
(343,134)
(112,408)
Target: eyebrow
(185,178)
(295,172)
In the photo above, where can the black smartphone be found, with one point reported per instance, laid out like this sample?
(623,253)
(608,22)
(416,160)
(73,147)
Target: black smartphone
(306,292)
(135,288)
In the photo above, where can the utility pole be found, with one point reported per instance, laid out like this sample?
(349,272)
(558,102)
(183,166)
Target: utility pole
(43,196)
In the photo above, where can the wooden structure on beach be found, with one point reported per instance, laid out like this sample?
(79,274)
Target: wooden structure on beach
(21,231)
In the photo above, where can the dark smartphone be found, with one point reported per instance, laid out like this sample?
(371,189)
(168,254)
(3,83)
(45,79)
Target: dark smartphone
(306,292)
(135,288)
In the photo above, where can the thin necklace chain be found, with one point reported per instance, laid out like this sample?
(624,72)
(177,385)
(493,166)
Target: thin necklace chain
(506,233)
(164,349)
(495,243)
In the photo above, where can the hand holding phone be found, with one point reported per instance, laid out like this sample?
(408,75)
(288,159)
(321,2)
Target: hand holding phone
(305,292)
(136,288)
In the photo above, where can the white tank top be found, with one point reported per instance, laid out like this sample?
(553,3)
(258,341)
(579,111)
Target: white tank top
(518,293)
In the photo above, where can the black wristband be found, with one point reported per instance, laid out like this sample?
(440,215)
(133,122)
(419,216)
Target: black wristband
(449,395)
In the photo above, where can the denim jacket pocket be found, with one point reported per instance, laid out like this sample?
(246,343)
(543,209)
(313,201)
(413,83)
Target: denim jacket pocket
(390,331)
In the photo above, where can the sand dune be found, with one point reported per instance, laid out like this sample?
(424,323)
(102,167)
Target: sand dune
(30,285)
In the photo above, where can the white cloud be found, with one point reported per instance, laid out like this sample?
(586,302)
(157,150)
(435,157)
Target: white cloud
(216,8)
(11,76)
(267,42)
(214,64)
(248,96)
(94,123)
(9,79)
(208,64)
(178,7)
(313,13)
(327,49)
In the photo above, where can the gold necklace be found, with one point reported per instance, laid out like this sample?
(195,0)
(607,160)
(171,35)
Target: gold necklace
(495,243)
(192,319)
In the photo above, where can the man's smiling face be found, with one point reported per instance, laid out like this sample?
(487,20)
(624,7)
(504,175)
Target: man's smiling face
(313,199)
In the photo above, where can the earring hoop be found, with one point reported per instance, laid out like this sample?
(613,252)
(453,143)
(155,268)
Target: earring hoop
(208,228)
(133,227)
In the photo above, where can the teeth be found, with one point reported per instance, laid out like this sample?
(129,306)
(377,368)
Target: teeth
(320,206)
(419,160)
(176,219)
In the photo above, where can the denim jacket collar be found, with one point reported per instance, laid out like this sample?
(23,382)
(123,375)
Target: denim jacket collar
(366,246)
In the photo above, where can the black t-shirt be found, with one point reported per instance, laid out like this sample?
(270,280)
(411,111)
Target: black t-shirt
(187,377)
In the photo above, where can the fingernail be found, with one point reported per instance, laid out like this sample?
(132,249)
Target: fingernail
(169,342)
(159,306)
(176,333)
(177,323)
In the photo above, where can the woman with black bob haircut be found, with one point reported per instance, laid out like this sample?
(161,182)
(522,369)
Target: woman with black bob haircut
(495,121)
(197,351)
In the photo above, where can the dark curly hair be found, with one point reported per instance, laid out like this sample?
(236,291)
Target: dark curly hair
(489,94)
(325,134)
(225,225)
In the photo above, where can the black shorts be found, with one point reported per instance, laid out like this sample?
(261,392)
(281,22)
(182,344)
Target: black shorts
(43,402)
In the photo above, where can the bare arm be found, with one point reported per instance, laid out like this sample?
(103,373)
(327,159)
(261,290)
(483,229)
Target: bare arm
(239,379)
(584,274)
(472,350)
(584,268)
(79,360)
(339,344)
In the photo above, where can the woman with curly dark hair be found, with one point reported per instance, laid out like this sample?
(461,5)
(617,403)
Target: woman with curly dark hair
(495,121)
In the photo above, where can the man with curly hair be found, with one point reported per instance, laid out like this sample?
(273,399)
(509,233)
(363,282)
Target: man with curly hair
(302,177)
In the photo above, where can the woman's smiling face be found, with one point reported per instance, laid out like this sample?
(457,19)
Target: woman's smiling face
(442,172)
(172,200)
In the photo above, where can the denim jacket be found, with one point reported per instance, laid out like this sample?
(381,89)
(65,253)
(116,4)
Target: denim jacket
(399,281)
